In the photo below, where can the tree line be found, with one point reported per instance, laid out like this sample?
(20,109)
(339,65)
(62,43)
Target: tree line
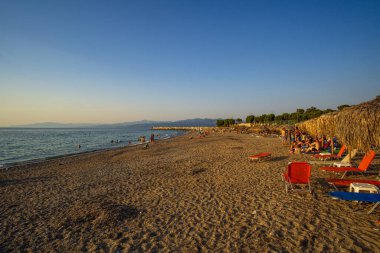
(285,118)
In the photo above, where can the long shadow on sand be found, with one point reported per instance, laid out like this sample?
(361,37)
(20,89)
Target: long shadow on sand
(196,171)
(278,158)
(22,181)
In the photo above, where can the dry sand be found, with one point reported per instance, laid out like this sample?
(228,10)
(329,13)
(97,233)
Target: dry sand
(180,195)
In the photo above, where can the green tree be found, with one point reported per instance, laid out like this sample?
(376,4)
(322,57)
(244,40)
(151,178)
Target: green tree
(311,110)
(229,122)
(302,117)
(239,120)
(250,119)
(278,118)
(261,118)
(328,111)
(293,116)
(269,117)
(285,116)
(220,122)
(342,106)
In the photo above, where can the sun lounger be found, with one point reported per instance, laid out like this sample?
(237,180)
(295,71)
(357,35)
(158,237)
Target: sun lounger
(327,156)
(341,164)
(353,196)
(346,182)
(327,162)
(349,156)
(363,166)
(259,156)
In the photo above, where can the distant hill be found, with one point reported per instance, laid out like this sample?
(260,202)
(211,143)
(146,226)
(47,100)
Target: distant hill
(146,123)
(190,122)
(53,125)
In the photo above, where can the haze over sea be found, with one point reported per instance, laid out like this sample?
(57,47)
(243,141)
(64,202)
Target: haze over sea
(27,144)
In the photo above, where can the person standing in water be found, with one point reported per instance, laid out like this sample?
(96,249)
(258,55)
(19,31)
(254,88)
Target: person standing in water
(152,138)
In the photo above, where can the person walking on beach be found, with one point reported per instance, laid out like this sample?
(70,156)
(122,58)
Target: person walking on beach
(283,136)
(286,136)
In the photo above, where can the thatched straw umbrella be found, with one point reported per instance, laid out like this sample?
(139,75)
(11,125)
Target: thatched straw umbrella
(358,127)
(323,125)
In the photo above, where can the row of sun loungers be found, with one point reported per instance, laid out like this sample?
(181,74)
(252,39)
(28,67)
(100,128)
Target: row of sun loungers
(299,173)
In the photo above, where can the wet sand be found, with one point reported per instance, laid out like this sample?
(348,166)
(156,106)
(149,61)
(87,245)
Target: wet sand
(179,195)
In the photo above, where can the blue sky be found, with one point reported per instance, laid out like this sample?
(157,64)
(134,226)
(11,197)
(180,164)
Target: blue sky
(116,61)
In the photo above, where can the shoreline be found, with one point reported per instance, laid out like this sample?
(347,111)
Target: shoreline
(14,165)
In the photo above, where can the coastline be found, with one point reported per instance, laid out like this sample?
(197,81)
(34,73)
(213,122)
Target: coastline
(50,158)
(182,194)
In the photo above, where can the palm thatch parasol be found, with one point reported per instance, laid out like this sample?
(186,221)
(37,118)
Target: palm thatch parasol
(323,125)
(357,126)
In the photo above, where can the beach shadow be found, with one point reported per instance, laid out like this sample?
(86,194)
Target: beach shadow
(279,158)
(196,171)
(322,182)
(122,212)
(372,171)
(97,214)
(321,188)
(4,183)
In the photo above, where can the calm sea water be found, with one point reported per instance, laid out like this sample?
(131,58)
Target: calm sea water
(21,145)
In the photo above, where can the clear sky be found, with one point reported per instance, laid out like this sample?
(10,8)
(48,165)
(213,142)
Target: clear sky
(116,61)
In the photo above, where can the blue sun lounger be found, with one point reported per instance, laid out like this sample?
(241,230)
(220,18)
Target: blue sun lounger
(353,196)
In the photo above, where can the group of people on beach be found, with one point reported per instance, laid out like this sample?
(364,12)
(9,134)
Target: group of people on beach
(301,142)
(141,139)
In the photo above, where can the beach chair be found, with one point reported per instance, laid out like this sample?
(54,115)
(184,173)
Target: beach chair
(338,182)
(297,173)
(354,196)
(363,166)
(322,156)
(259,156)
(330,163)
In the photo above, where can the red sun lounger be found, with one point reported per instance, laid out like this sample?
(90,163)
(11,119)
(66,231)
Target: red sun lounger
(331,156)
(347,182)
(363,166)
(259,156)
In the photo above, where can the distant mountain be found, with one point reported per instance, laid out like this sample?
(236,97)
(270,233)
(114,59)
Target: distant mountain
(146,123)
(125,124)
(53,125)
(190,122)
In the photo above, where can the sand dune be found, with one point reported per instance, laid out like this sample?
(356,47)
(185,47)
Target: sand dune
(181,195)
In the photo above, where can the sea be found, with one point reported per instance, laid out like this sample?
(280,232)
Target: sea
(23,145)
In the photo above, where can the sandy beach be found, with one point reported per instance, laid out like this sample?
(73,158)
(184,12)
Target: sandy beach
(180,195)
